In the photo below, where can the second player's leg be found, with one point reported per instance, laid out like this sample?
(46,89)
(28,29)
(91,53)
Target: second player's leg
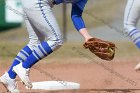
(132,15)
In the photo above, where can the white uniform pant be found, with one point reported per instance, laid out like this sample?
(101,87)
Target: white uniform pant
(132,14)
(41,23)
(131,17)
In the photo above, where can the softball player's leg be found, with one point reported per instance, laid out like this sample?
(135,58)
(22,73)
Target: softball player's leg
(8,79)
(42,19)
(132,15)
(26,51)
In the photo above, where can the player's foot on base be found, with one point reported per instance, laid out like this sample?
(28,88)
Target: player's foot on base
(9,84)
(137,67)
(23,73)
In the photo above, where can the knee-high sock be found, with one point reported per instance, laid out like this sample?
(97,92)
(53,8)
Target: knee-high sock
(21,57)
(135,36)
(39,53)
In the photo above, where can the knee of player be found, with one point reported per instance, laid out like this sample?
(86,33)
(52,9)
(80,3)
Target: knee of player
(33,43)
(55,44)
(59,42)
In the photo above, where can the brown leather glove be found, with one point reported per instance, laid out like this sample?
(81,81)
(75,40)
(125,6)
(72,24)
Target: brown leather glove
(103,49)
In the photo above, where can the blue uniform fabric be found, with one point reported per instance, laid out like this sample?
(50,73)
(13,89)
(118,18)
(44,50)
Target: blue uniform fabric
(35,56)
(66,1)
(76,13)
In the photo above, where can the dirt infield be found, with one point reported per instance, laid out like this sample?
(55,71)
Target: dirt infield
(102,77)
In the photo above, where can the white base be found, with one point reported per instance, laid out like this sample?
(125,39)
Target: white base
(55,85)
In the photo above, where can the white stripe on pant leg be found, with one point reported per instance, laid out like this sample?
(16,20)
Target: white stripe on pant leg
(18,60)
(135,35)
(35,56)
(25,52)
(43,49)
(22,56)
(38,51)
(138,40)
(132,32)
